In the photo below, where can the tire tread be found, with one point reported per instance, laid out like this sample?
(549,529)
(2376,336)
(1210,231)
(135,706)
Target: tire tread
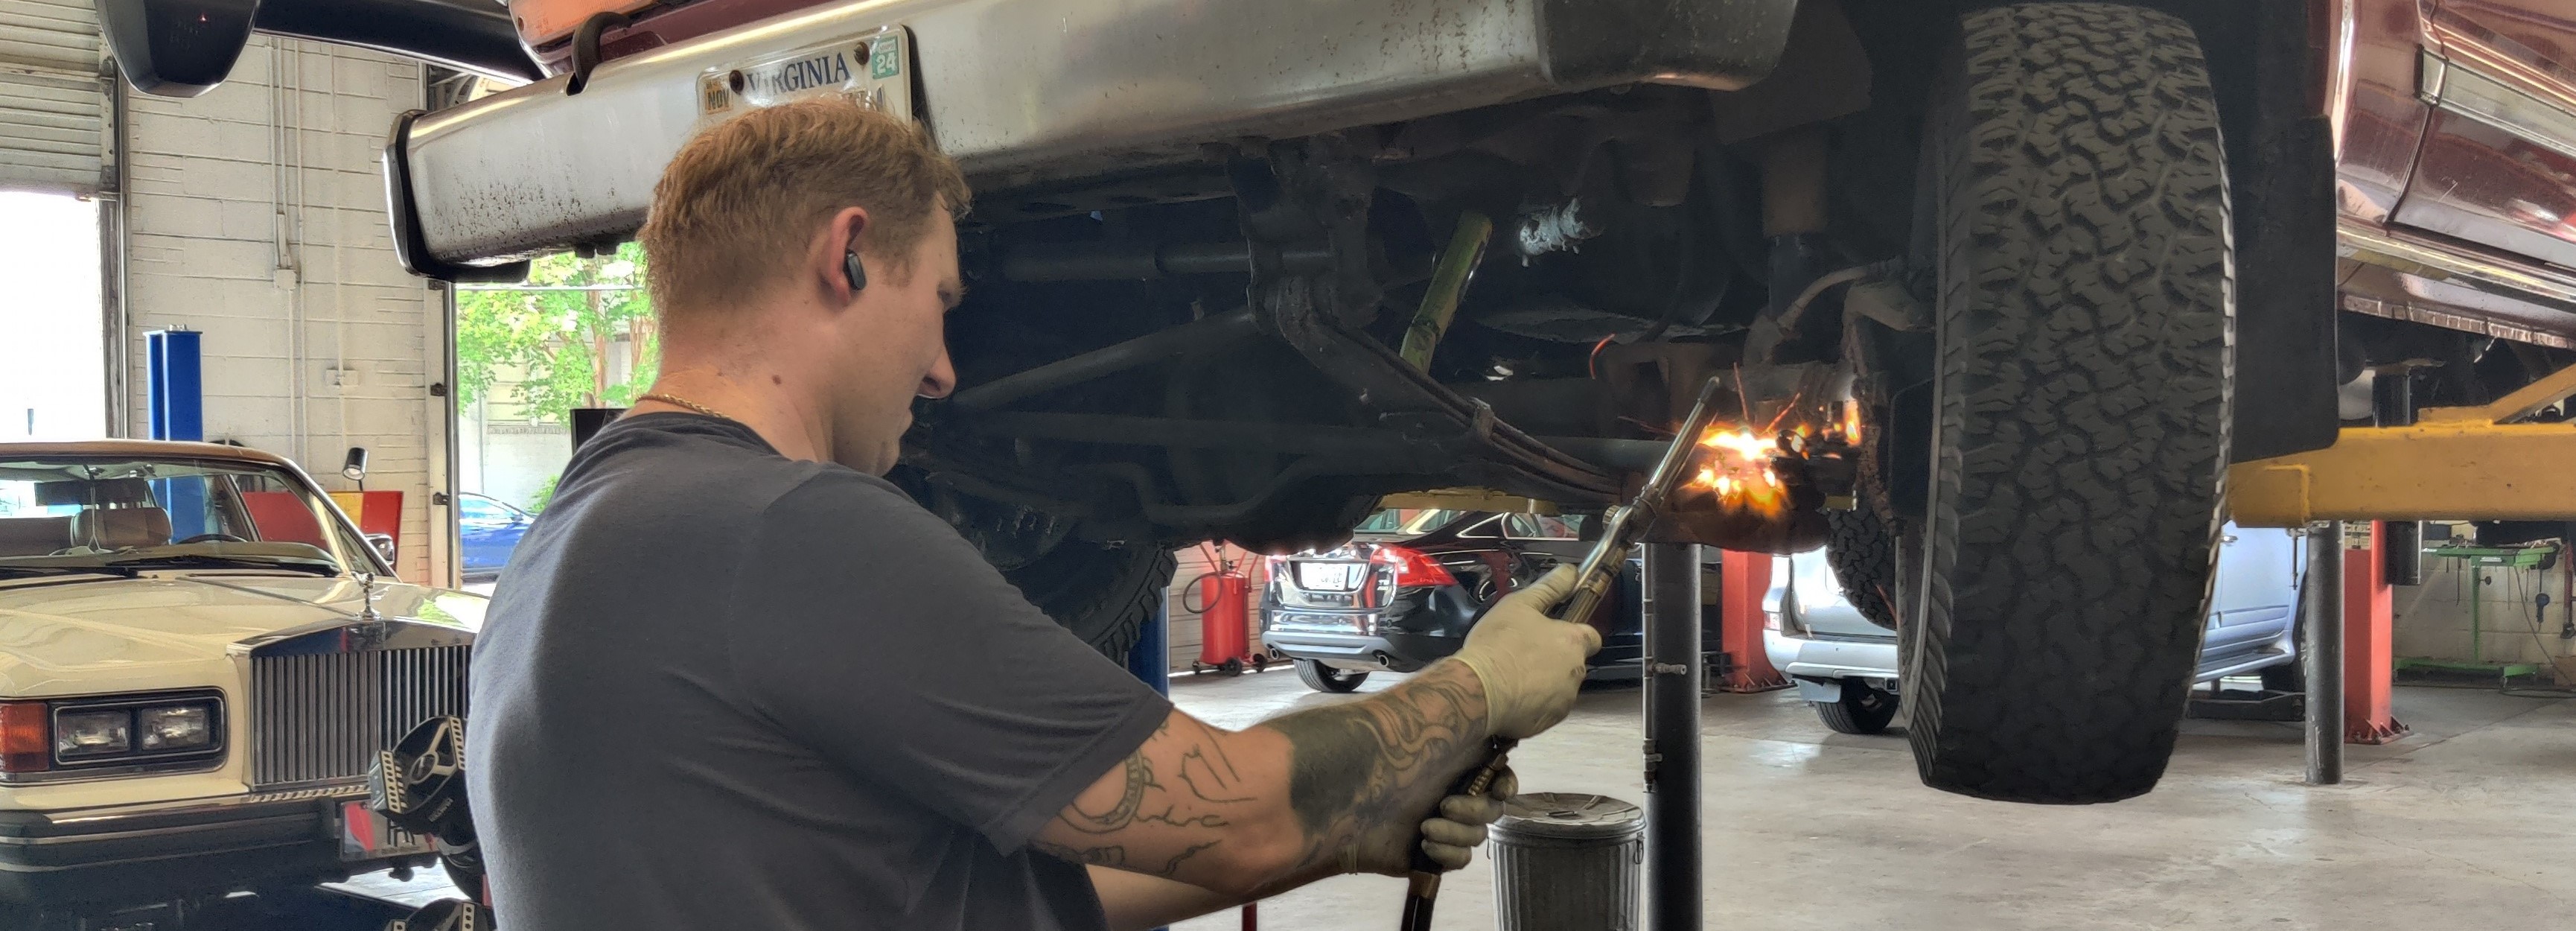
(2082,429)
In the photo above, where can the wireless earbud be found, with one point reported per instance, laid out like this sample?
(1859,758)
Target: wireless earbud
(856,273)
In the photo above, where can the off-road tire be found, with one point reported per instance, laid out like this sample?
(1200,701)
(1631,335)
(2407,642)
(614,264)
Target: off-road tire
(2082,402)
(1324,678)
(1862,710)
(1104,593)
(1862,552)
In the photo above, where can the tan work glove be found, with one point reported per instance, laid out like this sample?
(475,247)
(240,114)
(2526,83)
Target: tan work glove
(1452,836)
(1530,663)
(1449,837)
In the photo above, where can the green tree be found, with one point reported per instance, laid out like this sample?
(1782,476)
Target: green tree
(558,333)
(545,495)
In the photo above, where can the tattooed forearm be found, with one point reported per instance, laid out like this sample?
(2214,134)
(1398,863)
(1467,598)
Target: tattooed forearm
(1365,773)
(1208,786)
(1299,797)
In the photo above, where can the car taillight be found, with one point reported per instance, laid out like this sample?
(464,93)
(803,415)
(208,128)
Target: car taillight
(26,737)
(1412,567)
(1770,620)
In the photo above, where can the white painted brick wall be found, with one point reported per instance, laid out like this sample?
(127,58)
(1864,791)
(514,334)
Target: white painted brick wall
(202,205)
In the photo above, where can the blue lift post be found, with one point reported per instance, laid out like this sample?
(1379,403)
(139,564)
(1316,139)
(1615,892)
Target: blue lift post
(1151,658)
(176,397)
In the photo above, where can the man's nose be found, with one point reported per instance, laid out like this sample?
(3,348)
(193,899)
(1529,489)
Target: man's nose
(942,378)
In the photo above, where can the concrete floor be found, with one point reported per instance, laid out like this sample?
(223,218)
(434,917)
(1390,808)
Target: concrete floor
(2470,822)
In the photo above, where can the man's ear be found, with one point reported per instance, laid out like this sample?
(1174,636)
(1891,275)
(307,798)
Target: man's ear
(840,240)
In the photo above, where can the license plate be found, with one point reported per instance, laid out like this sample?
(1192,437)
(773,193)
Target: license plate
(1329,599)
(364,835)
(1331,576)
(874,69)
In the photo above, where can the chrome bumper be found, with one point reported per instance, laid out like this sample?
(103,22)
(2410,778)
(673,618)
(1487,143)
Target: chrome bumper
(1820,658)
(1026,92)
(170,849)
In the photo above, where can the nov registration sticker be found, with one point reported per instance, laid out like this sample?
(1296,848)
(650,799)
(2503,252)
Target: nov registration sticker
(872,69)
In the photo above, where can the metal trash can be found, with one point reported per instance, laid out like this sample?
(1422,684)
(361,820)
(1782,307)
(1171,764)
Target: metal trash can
(1568,862)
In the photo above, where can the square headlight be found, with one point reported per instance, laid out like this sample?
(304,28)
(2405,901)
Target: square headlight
(171,728)
(83,734)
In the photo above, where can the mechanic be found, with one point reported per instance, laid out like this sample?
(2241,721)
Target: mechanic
(735,679)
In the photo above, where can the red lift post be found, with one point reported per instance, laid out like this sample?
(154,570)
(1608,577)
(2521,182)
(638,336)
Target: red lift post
(2369,655)
(1745,578)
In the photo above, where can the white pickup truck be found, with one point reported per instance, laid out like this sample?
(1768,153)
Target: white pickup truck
(1243,267)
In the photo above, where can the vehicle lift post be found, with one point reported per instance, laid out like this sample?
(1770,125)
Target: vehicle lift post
(2369,655)
(2321,652)
(1746,578)
(175,402)
(2458,463)
(2395,556)
(1675,669)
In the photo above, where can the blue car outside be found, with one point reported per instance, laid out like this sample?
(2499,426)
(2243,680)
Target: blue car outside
(489,530)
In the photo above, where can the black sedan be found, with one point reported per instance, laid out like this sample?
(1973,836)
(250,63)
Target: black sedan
(1405,590)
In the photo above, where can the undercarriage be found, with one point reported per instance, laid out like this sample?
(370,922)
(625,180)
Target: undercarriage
(1998,291)
(1522,298)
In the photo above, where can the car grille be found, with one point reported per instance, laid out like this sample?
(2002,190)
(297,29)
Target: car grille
(320,718)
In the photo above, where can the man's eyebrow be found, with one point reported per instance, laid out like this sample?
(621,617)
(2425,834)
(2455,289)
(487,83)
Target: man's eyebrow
(953,293)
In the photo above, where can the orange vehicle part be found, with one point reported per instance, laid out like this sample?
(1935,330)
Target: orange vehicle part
(546,26)
(545,22)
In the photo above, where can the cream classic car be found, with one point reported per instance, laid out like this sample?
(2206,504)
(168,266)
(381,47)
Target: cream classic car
(198,657)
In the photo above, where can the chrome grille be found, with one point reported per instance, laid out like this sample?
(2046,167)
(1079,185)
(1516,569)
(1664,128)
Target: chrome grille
(319,718)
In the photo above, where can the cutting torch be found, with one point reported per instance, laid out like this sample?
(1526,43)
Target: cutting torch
(1622,529)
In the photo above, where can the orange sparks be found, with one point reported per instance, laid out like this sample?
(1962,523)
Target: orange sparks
(1742,442)
(1738,472)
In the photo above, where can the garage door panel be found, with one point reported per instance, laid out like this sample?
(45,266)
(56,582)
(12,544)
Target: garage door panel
(53,103)
(55,33)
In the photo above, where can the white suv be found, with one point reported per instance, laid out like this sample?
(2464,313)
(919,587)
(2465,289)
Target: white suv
(1845,666)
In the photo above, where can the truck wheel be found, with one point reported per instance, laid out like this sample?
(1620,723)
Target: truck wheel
(2287,677)
(1862,552)
(1103,593)
(1324,678)
(2081,404)
(1862,710)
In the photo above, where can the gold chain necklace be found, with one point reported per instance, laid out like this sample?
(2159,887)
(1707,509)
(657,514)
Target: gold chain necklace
(678,401)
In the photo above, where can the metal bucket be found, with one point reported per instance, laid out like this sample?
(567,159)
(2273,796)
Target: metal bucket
(1568,862)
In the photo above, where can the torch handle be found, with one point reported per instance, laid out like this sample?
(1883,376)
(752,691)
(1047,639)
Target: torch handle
(1589,591)
(1622,528)
(1625,526)
(1422,888)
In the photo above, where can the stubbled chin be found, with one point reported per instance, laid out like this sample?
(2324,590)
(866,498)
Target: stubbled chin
(892,452)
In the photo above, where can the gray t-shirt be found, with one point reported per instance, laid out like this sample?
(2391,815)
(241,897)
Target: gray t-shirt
(720,689)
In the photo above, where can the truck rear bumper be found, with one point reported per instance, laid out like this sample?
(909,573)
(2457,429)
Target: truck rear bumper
(1025,92)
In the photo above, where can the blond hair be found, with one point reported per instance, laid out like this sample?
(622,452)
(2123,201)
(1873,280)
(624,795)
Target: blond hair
(739,204)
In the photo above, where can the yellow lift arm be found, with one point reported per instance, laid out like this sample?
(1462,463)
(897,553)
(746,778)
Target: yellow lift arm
(2455,463)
